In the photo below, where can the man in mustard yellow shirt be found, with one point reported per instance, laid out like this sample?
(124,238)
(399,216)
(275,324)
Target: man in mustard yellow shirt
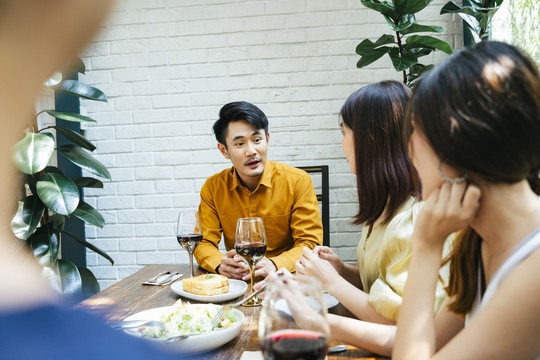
(283,196)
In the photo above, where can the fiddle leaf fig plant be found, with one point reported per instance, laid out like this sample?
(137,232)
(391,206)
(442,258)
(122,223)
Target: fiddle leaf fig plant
(477,15)
(404,45)
(48,197)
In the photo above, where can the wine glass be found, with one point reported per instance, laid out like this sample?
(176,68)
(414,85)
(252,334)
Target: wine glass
(189,233)
(251,246)
(292,322)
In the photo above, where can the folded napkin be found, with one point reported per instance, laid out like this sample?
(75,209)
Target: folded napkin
(256,355)
(252,355)
(164,280)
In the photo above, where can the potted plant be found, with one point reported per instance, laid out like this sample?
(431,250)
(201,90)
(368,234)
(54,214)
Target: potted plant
(48,196)
(477,15)
(404,46)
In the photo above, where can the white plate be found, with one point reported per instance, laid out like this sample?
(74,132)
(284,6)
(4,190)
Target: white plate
(236,289)
(196,343)
(329,302)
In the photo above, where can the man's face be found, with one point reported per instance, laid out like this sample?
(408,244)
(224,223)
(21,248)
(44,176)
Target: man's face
(247,149)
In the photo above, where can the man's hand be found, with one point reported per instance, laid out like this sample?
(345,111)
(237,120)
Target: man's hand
(232,266)
(263,268)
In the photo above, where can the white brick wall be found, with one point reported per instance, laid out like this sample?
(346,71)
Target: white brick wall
(168,67)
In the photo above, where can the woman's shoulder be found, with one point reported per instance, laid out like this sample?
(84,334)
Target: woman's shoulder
(406,215)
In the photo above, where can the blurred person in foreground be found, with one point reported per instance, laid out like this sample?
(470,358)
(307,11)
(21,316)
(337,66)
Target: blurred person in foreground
(38,38)
(387,184)
(474,127)
(282,195)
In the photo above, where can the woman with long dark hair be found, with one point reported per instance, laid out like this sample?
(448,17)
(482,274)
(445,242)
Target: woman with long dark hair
(474,128)
(373,142)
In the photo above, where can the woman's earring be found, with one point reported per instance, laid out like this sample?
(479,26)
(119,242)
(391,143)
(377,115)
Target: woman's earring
(450,180)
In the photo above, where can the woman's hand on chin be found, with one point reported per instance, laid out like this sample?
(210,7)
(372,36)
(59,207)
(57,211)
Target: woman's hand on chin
(447,210)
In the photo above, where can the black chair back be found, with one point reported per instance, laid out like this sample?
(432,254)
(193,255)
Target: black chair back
(323,197)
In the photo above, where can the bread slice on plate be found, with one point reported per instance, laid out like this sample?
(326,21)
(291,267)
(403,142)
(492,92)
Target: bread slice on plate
(208,284)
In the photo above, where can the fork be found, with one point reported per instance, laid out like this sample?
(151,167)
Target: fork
(169,278)
(226,308)
(124,325)
(155,278)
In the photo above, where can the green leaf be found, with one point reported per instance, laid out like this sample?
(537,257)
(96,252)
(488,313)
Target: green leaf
(486,20)
(477,17)
(75,137)
(416,28)
(419,52)
(58,193)
(80,89)
(81,158)
(89,214)
(472,23)
(64,277)
(59,220)
(416,72)
(45,244)
(474,35)
(372,56)
(91,246)
(410,6)
(481,7)
(90,285)
(88,182)
(79,66)
(33,153)
(403,23)
(27,217)
(383,7)
(69,116)
(402,62)
(18,226)
(385,39)
(32,212)
(53,170)
(419,41)
(452,8)
(367,45)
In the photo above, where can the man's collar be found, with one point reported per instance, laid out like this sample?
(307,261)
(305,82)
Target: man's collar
(266,177)
(235,179)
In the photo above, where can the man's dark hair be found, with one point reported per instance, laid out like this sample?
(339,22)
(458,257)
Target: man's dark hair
(236,111)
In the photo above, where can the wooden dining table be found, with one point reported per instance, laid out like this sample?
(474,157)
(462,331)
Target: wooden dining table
(130,296)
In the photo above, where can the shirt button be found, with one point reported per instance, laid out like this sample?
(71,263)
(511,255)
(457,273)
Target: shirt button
(251,197)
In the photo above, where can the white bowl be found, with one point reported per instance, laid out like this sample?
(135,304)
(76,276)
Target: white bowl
(195,343)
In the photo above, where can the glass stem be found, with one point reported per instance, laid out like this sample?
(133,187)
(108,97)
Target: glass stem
(252,273)
(191,264)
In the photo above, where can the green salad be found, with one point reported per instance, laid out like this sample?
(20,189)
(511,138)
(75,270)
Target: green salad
(189,319)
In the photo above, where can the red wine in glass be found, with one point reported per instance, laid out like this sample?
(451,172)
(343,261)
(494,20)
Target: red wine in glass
(189,233)
(295,345)
(250,244)
(189,241)
(251,252)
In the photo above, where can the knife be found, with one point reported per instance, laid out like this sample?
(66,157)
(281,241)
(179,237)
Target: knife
(169,279)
